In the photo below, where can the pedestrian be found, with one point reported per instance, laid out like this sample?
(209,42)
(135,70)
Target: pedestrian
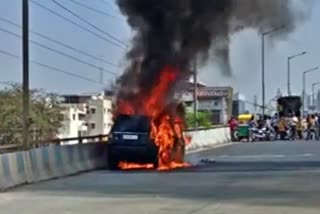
(311,128)
(274,124)
(233,124)
(293,122)
(318,125)
(282,127)
(300,128)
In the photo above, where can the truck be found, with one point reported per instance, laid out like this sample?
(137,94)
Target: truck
(289,105)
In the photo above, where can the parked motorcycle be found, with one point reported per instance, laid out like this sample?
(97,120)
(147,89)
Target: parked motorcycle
(263,134)
(257,135)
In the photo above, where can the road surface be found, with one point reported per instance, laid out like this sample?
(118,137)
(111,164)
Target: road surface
(246,178)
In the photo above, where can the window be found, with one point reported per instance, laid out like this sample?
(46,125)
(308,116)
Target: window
(81,116)
(216,102)
(109,111)
(93,111)
(92,125)
(73,116)
(189,103)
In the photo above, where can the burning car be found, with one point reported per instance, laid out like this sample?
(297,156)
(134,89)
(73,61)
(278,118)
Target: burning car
(148,128)
(130,142)
(135,142)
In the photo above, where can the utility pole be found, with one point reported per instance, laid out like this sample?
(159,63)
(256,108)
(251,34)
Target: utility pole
(304,87)
(255,103)
(25,72)
(289,70)
(263,77)
(263,83)
(195,96)
(288,77)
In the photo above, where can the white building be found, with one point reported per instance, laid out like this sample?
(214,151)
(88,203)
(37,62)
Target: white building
(86,115)
(74,124)
(99,116)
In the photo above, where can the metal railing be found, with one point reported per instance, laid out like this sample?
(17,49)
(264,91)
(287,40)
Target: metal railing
(75,140)
(57,141)
(80,140)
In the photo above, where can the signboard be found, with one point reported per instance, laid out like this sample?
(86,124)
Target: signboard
(208,92)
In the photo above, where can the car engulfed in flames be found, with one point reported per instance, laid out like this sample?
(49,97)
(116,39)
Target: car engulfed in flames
(150,134)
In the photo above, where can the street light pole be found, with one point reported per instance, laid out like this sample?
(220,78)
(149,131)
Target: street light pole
(263,83)
(289,70)
(25,72)
(304,87)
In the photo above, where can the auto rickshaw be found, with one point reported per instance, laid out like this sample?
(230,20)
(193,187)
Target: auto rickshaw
(243,131)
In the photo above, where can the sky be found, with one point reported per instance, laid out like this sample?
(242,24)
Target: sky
(245,51)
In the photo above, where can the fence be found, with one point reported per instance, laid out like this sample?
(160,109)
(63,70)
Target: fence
(63,141)
(78,140)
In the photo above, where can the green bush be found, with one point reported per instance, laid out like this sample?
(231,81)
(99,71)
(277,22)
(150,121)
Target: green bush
(203,119)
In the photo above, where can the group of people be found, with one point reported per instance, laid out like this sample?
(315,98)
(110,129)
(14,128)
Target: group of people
(292,127)
(297,126)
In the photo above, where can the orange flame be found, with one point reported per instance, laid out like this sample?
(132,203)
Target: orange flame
(166,126)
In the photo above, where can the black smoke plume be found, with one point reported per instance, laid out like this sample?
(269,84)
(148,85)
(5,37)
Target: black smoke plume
(176,32)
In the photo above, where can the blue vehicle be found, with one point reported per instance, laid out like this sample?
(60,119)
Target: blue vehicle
(130,142)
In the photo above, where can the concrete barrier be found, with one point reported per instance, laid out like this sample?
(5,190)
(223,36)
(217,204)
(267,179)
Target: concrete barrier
(58,161)
(49,163)
(208,138)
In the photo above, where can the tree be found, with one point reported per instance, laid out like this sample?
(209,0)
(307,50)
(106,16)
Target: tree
(203,118)
(45,115)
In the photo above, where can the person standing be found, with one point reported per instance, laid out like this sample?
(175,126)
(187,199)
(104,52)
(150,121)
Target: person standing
(233,124)
(293,125)
(274,124)
(311,127)
(318,125)
(300,128)
(282,127)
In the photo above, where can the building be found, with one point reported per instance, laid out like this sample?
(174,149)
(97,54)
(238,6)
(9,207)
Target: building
(309,102)
(73,124)
(238,104)
(99,116)
(85,115)
(317,101)
(217,100)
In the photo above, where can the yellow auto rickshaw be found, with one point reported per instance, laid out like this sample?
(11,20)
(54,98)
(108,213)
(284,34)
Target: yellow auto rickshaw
(243,130)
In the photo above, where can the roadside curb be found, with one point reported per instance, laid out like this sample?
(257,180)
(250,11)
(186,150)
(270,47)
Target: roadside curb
(217,146)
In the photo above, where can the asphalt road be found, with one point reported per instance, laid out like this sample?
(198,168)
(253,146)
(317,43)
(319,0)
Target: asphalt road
(243,178)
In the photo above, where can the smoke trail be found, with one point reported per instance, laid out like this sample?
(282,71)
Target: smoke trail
(175,32)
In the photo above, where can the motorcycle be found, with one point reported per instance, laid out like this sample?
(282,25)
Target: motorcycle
(270,134)
(257,135)
(263,134)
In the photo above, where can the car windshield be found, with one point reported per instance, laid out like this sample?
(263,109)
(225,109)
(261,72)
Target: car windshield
(128,123)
